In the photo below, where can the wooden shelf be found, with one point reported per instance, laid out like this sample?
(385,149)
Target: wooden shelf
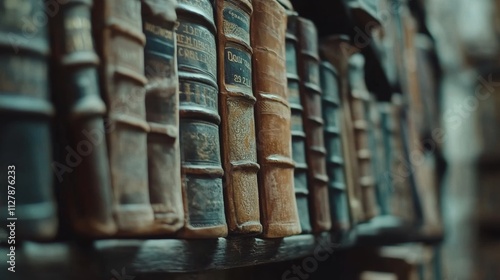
(100,259)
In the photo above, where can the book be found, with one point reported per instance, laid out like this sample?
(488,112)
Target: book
(120,44)
(358,99)
(402,203)
(162,114)
(310,96)
(385,182)
(201,164)
(337,49)
(278,207)
(239,151)
(297,127)
(86,190)
(26,112)
(331,108)
(377,148)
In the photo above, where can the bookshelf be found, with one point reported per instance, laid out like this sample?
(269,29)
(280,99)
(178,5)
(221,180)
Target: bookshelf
(156,258)
(146,257)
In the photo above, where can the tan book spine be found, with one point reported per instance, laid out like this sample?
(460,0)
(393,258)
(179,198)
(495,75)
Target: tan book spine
(162,114)
(118,25)
(239,152)
(312,116)
(359,99)
(272,115)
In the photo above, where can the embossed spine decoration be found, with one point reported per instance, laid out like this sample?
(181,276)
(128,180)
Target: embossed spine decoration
(358,99)
(298,134)
(239,152)
(162,114)
(278,207)
(25,112)
(199,121)
(310,95)
(118,25)
(88,194)
(333,143)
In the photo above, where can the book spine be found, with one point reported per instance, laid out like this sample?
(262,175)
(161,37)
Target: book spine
(89,195)
(402,203)
(162,114)
(25,113)
(378,149)
(333,143)
(239,152)
(310,94)
(199,121)
(358,99)
(334,49)
(386,127)
(121,41)
(279,215)
(297,127)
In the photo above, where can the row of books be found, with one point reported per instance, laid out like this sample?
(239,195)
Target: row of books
(194,119)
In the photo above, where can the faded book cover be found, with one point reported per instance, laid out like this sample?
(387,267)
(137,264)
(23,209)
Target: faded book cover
(83,171)
(201,163)
(162,114)
(120,44)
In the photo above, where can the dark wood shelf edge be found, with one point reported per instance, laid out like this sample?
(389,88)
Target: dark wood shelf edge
(101,258)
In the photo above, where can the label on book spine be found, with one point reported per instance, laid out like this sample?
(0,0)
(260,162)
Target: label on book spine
(238,67)
(196,48)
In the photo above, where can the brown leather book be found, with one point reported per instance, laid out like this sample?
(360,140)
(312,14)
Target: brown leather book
(239,152)
(199,121)
(120,43)
(297,127)
(25,118)
(359,99)
(162,114)
(312,116)
(337,49)
(278,207)
(86,190)
(335,162)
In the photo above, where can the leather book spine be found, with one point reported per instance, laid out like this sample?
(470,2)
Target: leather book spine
(358,99)
(310,95)
(201,165)
(331,108)
(336,49)
(162,113)
(81,111)
(119,36)
(297,127)
(278,207)
(25,116)
(239,152)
